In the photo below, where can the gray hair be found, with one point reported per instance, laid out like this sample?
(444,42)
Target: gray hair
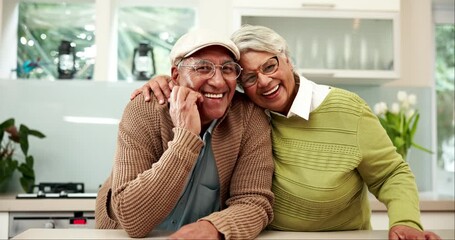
(259,38)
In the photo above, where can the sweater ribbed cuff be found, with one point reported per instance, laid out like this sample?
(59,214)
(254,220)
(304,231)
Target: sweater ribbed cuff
(188,139)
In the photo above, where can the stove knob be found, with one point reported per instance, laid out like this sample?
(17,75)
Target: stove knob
(49,225)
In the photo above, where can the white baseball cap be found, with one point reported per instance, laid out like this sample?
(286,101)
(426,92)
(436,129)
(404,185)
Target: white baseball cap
(196,40)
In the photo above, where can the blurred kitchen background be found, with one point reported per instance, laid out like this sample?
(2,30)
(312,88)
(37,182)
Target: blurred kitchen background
(67,68)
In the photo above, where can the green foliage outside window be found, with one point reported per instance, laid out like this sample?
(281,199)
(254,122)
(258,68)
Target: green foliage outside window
(445,73)
(159,26)
(42,26)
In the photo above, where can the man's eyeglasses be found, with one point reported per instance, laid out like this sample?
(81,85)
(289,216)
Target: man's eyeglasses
(206,69)
(267,68)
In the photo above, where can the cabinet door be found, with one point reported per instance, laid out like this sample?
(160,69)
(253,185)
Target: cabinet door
(358,47)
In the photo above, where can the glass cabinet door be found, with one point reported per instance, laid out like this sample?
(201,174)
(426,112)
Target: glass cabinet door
(42,27)
(156,27)
(329,46)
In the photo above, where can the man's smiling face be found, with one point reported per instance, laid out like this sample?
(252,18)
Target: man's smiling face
(217,91)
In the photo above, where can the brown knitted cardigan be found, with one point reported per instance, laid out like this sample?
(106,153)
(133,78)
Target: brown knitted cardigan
(153,160)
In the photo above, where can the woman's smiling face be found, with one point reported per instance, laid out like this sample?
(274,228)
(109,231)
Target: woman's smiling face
(274,91)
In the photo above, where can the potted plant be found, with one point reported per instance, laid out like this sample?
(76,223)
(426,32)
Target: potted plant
(10,138)
(400,122)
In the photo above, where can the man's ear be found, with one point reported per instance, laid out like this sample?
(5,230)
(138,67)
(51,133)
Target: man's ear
(174,75)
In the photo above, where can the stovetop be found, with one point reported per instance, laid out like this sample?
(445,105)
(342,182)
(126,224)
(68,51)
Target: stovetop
(55,195)
(57,190)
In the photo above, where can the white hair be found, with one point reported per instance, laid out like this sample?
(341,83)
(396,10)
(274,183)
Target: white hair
(260,39)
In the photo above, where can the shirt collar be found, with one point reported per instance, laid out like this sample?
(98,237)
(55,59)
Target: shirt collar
(309,96)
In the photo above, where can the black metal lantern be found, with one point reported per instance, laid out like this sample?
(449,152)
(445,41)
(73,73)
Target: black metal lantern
(143,62)
(66,60)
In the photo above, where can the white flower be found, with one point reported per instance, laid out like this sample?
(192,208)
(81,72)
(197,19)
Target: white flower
(380,108)
(410,113)
(405,104)
(402,96)
(412,99)
(395,108)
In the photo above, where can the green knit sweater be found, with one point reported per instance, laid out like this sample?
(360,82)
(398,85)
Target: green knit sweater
(324,166)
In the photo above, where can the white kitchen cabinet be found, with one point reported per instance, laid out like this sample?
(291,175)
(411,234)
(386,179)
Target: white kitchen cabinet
(373,5)
(4,225)
(333,44)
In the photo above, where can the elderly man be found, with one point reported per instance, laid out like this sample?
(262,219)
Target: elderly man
(200,166)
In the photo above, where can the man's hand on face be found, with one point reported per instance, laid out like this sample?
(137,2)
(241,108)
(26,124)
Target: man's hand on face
(197,230)
(183,108)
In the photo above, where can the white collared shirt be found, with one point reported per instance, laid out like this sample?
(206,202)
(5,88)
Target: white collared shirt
(308,98)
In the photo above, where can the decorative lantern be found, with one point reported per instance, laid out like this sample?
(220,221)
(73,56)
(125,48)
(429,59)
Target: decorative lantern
(143,62)
(66,60)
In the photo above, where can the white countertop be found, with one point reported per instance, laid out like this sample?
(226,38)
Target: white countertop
(9,203)
(121,234)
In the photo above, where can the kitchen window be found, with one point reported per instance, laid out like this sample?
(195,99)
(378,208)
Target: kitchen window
(444,33)
(41,28)
(159,27)
(43,24)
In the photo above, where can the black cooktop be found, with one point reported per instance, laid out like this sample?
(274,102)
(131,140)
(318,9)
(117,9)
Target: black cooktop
(57,190)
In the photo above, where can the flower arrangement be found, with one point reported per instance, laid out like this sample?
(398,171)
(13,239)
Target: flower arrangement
(400,122)
(8,159)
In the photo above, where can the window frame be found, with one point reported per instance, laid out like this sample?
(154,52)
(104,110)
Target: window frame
(443,13)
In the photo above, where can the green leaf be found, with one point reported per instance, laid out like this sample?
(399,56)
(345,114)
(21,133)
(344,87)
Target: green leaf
(414,125)
(26,170)
(36,133)
(7,168)
(27,183)
(29,161)
(23,132)
(5,125)
(421,148)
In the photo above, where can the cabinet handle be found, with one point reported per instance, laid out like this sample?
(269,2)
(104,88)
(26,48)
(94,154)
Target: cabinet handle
(318,5)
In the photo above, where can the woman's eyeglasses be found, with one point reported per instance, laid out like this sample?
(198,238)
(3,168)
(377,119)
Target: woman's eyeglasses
(206,69)
(267,68)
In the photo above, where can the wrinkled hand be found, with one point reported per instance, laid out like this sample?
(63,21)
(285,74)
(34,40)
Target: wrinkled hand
(401,232)
(183,108)
(197,230)
(160,85)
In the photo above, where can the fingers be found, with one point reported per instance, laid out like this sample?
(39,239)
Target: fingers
(431,236)
(183,109)
(145,90)
(184,95)
(160,88)
(163,82)
(193,97)
(393,236)
(135,93)
(401,232)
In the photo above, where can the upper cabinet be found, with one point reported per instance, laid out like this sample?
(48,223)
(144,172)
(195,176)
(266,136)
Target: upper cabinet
(336,42)
(362,5)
